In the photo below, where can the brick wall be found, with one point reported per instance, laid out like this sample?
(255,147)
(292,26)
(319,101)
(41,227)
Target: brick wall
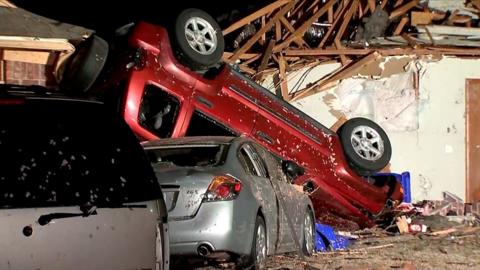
(28,73)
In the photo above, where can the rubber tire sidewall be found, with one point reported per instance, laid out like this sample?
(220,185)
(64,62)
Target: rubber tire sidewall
(185,53)
(253,255)
(356,162)
(304,240)
(85,66)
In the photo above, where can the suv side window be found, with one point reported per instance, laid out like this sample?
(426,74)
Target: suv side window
(158,111)
(69,153)
(202,125)
(253,162)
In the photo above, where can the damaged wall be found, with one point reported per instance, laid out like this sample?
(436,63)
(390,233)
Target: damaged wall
(424,117)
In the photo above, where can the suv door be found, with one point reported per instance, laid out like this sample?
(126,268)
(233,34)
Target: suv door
(77,190)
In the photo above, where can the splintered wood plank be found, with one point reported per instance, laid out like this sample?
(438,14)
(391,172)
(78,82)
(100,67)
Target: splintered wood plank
(301,30)
(383,4)
(403,9)
(299,41)
(328,52)
(409,40)
(421,17)
(264,37)
(265,57)
(259,13)
(343,58)
(330,14)
(360,10)
(342,73)
(283,78)
(472,115)
(398,3)
(341,11)
(313,5)
(260,32)
(340,121)
(340,7)
(371,5)
(346,21)
(298,8)
(400,26)
(278,31)
(244,56)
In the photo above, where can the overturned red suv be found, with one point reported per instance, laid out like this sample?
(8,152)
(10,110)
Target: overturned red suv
(170,84)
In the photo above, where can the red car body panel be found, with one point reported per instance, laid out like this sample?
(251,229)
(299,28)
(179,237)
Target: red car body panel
(231,99)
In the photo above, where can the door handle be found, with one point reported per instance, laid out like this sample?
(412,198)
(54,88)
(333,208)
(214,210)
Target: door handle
(264,137)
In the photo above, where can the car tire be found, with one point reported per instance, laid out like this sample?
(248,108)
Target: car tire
(85,66)
(308,233)
(366,145)
(258,254)
(198,39)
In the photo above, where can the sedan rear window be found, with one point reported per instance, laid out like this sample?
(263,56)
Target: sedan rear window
(67,153)
(189,156)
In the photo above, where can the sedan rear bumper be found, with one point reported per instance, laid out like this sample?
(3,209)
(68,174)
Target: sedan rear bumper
(213,227)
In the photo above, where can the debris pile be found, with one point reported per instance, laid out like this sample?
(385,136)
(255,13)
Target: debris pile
(290,34)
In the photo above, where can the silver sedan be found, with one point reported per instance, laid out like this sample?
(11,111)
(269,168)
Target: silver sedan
(229,196)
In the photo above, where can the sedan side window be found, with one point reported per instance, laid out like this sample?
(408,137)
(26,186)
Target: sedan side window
(253,161)
(158,111)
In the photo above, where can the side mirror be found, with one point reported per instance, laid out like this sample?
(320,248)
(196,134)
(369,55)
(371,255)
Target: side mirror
(292,169)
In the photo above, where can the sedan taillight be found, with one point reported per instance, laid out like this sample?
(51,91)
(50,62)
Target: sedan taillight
(224,187)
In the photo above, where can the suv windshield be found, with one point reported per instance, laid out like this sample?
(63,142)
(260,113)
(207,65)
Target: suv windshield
(63,153)
(189,155)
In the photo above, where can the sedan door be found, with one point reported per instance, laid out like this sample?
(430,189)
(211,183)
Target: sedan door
(293,202)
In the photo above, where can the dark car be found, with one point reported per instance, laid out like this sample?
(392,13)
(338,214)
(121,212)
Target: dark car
(77,190)
(170,84)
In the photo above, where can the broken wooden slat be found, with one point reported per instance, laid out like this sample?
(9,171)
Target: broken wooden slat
(35,57)
(283,78)
(264,37)
(334,25)
(343,58)
(340,121)
(278,31)
(399,29)
(301,30)
(299,41)
(398,3)
(318,52)
(340,7)
(403,9)
(46,44)
(346,21)
(244,56)
(265,57)
(371,5)
(330,14)
(259,13)
(246,69)
(451,30)
(344,72)
(421,17)
(260,32)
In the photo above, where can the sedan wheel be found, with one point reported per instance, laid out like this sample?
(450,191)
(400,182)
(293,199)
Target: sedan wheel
(259,245)
(308,234)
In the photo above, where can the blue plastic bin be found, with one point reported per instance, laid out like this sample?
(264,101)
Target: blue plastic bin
(404,179)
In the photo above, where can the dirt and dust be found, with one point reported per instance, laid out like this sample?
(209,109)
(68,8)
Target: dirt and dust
(377,250)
